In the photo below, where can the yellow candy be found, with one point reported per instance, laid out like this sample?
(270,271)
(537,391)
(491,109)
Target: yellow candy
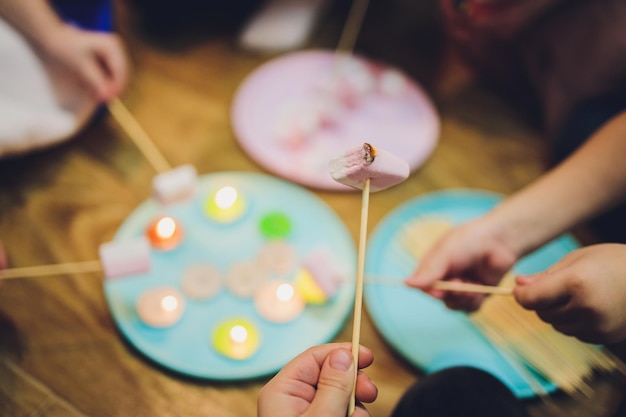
(308,288)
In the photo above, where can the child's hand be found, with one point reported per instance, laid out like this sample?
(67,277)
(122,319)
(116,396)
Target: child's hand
(318,382)
(96,59)
(473,252)
(583,295)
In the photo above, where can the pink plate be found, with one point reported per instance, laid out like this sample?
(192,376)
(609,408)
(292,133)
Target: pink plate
(400,119)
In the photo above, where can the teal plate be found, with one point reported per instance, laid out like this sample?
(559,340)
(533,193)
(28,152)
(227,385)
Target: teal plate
(187,346)
(421,328)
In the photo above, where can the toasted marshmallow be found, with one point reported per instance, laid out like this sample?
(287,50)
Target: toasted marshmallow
(356,165)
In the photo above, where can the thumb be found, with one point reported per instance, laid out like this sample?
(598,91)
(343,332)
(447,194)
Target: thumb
(539,291)
(335,385)
(430,269)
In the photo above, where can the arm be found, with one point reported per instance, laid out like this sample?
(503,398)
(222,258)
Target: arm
(97,60)
(318,382)
(588,182)
(35,19)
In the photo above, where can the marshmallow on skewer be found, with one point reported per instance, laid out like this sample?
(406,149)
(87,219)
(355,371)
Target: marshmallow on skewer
(125,257)
(176,185)
(360,163)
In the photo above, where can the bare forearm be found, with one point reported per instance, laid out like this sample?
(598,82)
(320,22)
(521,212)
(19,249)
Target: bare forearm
(35,19)
(592,180)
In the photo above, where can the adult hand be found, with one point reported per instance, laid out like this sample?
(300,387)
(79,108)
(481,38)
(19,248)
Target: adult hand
(473,252)
(96,59)
(583,295)
(318,382)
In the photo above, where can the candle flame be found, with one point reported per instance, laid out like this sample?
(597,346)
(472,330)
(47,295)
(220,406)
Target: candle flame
(284,292)
(165,228)
(169,303)
(238,334)
(226,197)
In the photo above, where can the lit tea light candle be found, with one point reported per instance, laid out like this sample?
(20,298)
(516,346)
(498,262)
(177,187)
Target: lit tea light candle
(278,301)
(160,307)
(225,205)
(164,233)
(236,339)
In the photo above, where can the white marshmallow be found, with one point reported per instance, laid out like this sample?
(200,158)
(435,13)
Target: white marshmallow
(353,82)
(125,257)
(176,185)
(392,83)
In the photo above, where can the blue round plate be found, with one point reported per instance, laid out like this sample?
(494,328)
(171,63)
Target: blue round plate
(187,346)
(421,328)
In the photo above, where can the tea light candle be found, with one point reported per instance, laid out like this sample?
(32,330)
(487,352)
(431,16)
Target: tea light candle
(236,339)
(225,205)
(277,257)
(244,278)
(164,233)
(201,282)
(160,307)
(278,301)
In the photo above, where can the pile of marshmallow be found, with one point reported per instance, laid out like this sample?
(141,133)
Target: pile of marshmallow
(343,90)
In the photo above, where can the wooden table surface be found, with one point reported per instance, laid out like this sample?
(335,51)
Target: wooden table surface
(60,351)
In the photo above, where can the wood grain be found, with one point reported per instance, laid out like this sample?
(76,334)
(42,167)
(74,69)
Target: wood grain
(60,352)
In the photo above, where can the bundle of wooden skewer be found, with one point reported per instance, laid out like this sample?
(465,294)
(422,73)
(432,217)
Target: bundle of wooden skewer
(520,334)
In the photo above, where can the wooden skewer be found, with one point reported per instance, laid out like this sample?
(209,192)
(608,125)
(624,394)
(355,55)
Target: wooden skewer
(515,361)
(469,287)
(353,26)
(518,333)
(54,269)
(139,136)
(454,286)
(358,297)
